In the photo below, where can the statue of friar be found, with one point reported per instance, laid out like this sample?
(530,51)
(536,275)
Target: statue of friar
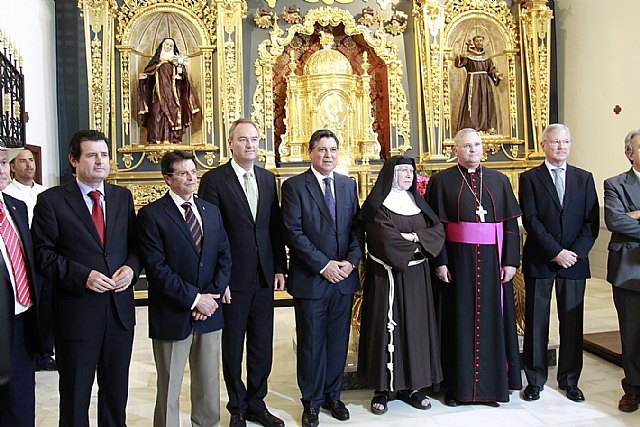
(478,106)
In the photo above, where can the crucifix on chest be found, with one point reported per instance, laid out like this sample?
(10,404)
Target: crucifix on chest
(481,212)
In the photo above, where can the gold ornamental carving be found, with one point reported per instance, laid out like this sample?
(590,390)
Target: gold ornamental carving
(535,28)
(99,15)
(273,47)
(443,32)
(142,24)
(329,95)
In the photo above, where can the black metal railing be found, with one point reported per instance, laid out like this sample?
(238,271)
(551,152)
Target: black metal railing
(12,123)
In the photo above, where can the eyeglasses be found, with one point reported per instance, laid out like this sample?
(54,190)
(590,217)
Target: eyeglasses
(557,142)
(184,174)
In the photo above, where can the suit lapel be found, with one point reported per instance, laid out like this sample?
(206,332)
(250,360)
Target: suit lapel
(571,187)
(545,179)
(313,187)
(112,214)
(341,196)
(631,186)
(20,223)
(263,185)
(236,188)
(175,215)
(75,199)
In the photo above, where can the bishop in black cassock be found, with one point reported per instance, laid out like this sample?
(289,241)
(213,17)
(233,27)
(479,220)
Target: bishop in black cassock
(482,250)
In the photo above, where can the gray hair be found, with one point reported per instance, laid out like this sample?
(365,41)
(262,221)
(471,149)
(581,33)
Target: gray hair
(554,127)
(628,141)
(462,133)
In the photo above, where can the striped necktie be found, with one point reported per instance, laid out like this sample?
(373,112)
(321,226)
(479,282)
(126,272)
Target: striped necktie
(16,257)
(193,225)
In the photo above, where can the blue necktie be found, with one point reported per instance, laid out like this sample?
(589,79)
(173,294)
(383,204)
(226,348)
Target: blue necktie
(328,198)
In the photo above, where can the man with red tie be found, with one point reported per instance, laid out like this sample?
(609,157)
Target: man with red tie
(85,245)
(19,284)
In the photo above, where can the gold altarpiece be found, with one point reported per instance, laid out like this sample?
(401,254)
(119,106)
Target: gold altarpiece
(398,90)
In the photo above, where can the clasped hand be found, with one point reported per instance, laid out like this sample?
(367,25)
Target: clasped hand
(566,258)
(205,307)
(337,271)
(120,280)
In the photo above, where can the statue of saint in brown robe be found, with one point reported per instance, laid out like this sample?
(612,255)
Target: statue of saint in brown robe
(166,102)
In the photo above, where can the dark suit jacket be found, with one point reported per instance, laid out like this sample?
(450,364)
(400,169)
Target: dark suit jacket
(551,228)
(622,195)
(176,272)
(255,245)
(67,247)
(39,321)
(314,239)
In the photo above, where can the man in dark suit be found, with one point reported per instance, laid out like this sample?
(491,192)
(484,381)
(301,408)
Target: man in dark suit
(622,216)
(85,246)
(21,294)
(185,253)
(561,217)
(320,210)
(247,197)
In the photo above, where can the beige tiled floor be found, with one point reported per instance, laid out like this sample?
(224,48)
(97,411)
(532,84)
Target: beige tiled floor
(600,383)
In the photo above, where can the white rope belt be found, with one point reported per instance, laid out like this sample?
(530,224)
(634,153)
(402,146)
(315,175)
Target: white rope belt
(390,322)
(470,94)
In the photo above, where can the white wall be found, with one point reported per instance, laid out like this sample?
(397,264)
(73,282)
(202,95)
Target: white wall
(30,24)
(598,63)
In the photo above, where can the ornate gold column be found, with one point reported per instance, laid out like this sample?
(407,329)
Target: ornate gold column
(99,46)
(535,30)
(428,18)
(230,60)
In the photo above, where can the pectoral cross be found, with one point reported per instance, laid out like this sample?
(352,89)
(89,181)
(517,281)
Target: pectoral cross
(481,212)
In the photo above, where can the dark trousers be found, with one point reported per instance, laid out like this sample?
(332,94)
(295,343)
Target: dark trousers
(17,397)
(322,330)
(249,315)
(570,301)
(628,307)
(110,352)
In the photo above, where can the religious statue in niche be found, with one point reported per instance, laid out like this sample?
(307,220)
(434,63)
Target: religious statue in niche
(166,101)
(478,105)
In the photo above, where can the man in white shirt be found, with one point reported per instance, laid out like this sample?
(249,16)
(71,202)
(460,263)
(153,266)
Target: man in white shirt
(23,187)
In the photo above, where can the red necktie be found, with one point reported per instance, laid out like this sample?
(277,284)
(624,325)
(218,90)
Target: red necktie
(16,256)
(97,213)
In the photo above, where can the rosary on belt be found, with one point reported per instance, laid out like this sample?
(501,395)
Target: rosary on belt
(481,212)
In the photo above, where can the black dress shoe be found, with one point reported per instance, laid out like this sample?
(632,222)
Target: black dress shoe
(573,393)
(337,409)
(532,392)
(47,364)
(237,420)
(450,400)
(628,403)
(266,418)
(310,417)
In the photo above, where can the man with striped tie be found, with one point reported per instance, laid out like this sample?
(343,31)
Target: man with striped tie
(185,253)
(21,296)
